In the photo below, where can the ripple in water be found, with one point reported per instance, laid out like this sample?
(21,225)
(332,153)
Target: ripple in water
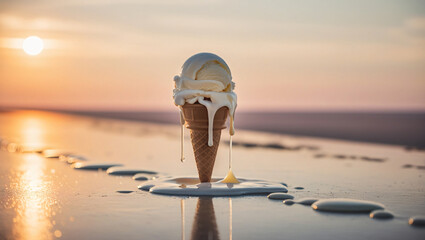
(192,187)
(346,205)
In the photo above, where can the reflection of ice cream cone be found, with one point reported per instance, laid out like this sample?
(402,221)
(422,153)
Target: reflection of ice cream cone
(196,117)
(204,223)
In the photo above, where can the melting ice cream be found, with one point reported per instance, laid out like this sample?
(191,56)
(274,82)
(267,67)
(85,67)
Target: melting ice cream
(206,79)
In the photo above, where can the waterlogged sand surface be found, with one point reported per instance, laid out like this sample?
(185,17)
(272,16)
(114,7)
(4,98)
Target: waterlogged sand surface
(45,198)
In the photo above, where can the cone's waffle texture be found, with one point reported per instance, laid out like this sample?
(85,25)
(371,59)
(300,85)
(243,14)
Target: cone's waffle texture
(196,117)
(204,155)
(204,223)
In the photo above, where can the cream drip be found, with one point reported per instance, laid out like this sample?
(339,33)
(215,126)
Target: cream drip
(182,121)
(218,100)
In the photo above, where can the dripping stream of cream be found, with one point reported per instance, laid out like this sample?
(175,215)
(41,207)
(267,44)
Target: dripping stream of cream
(217,87)
(181,136)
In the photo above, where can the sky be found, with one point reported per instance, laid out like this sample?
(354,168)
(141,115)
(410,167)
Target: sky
(284,55)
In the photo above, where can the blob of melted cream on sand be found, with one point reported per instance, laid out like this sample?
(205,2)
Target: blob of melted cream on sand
(204,94)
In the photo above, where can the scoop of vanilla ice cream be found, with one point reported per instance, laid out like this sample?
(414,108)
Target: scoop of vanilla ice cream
(207,72)
(214,71)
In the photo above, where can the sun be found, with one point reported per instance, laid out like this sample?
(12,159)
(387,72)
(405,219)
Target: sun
(33,45)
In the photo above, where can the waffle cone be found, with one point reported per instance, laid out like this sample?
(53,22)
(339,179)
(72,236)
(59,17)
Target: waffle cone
(196,117)
(204,223)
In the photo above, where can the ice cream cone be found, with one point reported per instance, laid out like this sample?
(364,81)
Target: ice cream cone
(196,117)
(204,223)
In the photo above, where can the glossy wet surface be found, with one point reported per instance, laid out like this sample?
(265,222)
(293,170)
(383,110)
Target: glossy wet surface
(45,198)
(346,205)
(185,186)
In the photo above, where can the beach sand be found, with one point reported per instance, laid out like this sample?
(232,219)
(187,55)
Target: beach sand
(44,198)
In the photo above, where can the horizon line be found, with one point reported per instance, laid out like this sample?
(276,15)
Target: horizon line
(268,110)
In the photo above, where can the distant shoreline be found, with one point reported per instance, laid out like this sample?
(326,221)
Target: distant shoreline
(396,128)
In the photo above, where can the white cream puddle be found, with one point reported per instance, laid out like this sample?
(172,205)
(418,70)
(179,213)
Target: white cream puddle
(94,166)
(123,171)
(185,186)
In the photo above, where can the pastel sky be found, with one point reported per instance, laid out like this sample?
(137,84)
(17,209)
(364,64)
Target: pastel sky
(284,55)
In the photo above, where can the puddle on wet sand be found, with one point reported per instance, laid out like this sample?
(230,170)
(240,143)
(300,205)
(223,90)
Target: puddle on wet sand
(192,187)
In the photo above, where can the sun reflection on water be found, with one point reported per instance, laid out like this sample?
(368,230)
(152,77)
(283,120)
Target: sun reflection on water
(31,192)
(32,131)
(36,200)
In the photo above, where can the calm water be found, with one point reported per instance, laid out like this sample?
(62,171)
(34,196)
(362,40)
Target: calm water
(390,128)
(43,197)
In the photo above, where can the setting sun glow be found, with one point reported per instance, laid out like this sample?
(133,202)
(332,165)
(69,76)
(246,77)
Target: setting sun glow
(33,45)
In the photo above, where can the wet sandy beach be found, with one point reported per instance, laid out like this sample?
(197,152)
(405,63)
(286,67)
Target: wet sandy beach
(45,198)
